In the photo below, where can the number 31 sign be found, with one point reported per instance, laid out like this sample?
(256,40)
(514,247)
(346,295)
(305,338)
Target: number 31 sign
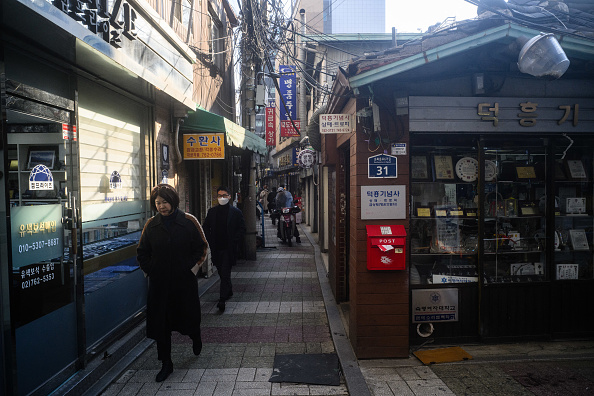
(382,166)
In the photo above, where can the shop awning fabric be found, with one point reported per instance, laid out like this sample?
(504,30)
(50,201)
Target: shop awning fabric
(204,121)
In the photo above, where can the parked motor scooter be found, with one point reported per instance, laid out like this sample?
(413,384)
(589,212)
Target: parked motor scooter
(287,224)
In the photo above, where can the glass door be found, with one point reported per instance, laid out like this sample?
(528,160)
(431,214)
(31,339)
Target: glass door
(516,238)
(443,233)
(515,204)
(42,183)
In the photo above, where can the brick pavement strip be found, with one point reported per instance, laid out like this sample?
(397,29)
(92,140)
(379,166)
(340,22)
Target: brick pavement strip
(277,308)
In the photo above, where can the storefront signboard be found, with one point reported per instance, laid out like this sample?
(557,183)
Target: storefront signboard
(336,123)
(110,20)
(434,305)
(288,130)
(288,159)
(36,234)
(270,126)
(382,166)
(497,114)
(383,202)
(306,158)
(204,146)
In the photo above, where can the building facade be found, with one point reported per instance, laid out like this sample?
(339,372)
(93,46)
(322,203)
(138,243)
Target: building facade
(488,172)
(93,97)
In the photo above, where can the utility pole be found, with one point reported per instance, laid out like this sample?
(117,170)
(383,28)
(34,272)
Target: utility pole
(248,94)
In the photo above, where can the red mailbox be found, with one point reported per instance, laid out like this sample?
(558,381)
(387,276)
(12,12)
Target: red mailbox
(386,247)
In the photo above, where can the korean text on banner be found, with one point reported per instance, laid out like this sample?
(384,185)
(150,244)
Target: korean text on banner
(288,91)
(270,126)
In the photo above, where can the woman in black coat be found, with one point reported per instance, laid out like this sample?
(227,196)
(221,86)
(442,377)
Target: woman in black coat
(172,248)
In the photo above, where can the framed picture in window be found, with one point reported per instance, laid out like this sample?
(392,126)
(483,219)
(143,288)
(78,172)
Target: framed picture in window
(42,156)
(576,169)
(579,240)
(444,168)
(418,167)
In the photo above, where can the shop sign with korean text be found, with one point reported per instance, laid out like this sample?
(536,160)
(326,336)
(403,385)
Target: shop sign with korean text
(501,115)
(336,123)
(288,159)
(36,234)
(383,202)
(288,92)
(434,305)
(306,158)
(288,130)
(110,20)
(270,126)
(204,146)
(382,166)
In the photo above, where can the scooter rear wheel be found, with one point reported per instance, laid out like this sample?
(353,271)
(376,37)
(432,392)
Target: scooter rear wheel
(289,233)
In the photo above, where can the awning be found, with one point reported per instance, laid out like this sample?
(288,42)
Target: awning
(204,121)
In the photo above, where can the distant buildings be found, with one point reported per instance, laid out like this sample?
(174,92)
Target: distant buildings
(346,16)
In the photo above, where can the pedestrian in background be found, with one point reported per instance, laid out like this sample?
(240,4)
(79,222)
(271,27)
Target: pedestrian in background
(171,249)
(264,198)
(272,205)
(224,227)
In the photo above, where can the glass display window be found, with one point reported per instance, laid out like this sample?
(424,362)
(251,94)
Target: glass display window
(444,209)
(526,216)
(114,179)
(514,207)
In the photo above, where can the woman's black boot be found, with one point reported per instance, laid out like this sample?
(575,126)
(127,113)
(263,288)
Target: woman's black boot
(165,371)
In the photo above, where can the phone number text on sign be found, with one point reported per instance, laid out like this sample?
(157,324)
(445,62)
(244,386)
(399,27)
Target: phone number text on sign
(38,274)
(23,248)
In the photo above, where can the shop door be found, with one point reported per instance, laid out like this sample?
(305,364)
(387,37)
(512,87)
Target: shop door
(515,284)
(42,217)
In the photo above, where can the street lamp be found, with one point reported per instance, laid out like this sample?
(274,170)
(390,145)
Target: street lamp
(542,56)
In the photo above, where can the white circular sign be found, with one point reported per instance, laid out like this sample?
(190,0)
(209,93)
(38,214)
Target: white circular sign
(490,170)
(306,158)
(467,169)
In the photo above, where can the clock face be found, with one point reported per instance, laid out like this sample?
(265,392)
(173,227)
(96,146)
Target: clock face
(490,170)
(467,169)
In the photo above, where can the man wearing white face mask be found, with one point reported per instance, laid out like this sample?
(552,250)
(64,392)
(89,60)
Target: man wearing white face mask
(224,228)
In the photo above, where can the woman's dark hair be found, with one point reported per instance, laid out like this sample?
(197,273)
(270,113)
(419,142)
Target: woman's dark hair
(166,192)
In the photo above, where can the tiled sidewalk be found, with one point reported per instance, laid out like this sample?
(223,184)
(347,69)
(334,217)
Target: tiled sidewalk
(277,308)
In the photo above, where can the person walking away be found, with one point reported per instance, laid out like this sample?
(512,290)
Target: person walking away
(224,227)
(271,206)
(264,198)
(171,249)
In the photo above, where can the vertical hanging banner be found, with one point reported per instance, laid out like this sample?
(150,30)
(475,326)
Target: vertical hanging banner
(270,126)
(288,91)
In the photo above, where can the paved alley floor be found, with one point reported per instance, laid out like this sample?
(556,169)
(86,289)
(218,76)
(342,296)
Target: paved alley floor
(277,308)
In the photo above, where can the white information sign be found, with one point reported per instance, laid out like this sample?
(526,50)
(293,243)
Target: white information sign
(336,123)
(398,149)
(383,202)
(434,305)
